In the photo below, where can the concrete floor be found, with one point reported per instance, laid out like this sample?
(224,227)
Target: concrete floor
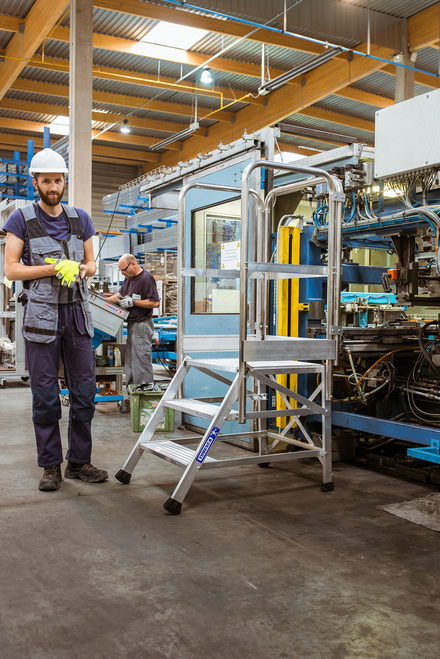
(259,564)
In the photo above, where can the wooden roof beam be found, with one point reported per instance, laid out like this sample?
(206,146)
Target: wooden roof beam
(37,25)
(282,103)
(109,98)
(105,117)
(146,80)
(338,118)
(10,23)
(108,136)
(166,54)
(365,97)
(14,141)
(420,78)
(212,24)
(423,28)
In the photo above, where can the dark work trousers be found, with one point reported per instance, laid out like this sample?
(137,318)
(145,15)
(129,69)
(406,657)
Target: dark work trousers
(74,346)
(138,366)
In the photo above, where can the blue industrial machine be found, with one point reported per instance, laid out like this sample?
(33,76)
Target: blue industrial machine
(386,389)
(326,230)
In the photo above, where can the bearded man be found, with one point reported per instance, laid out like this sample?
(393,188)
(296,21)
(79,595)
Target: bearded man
(49,248)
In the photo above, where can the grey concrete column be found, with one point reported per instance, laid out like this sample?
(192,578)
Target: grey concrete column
(404,79)
(80,98)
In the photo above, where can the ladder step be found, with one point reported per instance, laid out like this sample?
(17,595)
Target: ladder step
(198,408)
(176,453)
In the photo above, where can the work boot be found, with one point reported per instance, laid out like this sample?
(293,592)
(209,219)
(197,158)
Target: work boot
(87,473)
(51,479)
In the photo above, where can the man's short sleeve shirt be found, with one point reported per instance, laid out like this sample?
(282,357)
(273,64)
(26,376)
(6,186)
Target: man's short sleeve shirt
(141,287)
(57,227)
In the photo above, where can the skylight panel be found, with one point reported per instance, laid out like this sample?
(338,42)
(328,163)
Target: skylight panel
(175,36)
(60,126)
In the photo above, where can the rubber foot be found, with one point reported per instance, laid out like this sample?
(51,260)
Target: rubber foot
(263,465)
(123,477)
(327,487)
(172,506)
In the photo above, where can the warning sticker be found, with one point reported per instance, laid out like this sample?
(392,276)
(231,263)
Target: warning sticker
(230,255)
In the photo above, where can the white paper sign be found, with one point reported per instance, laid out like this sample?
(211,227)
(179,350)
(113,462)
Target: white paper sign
(230,256)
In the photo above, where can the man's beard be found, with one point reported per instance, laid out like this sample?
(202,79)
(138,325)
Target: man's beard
(50,200)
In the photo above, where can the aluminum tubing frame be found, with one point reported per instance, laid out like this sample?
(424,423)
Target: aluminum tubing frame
(268,207)
(334,261)
(181,254)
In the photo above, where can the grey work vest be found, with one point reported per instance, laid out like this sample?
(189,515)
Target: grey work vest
(45,294)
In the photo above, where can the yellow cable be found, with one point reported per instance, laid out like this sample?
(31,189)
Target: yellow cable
(51,32)
(226,106)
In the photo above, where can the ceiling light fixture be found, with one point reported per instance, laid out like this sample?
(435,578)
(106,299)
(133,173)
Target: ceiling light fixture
(125,128)
(281,80)
(178,136)
(206,77)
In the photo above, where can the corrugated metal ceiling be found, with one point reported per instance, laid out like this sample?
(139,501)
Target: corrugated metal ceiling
(37,98)
(347,106)
(266,9)
(5,38)
(30,116)
(400,8)
(344,22)
(339,21)
(428,59)
(19,8)
(383,84)
(331,127)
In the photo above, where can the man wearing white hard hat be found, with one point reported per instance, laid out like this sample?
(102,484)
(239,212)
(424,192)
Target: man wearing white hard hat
(49,248)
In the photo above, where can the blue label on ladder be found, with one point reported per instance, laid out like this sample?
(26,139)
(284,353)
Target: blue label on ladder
(207,445)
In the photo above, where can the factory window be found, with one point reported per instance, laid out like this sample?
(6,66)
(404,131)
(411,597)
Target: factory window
(216,245)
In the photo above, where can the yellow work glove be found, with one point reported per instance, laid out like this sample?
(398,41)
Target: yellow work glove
(67,271)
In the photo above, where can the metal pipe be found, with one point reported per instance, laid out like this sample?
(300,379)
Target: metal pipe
(181,256)
(334,261)
(268,207)
(410,212)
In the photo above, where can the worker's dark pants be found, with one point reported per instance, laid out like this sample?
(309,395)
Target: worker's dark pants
(74,346)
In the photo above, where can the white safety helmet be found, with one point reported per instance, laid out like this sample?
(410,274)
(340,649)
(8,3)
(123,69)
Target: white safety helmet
(48,161)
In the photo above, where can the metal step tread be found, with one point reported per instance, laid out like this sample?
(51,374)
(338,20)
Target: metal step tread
(278,366)
(227,364)
(197,408)
(178,454)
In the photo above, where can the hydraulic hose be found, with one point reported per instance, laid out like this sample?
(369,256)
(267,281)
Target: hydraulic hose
(425,353)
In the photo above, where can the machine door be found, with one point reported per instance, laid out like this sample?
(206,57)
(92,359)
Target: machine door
(211,307)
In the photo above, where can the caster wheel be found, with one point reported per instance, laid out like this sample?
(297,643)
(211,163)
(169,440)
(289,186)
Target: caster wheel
(3,384)
(25,379)
(65,401)
(123,407)
(327,487)
(263,465)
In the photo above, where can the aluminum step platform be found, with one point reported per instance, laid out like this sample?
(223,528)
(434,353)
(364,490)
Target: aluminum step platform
(176,453)
(198,408)
(231,365)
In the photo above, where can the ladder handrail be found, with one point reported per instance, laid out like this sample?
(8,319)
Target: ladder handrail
(334,250)
(181,250)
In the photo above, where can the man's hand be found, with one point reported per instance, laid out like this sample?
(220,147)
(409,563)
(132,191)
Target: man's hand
(126,302)
(66,270)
